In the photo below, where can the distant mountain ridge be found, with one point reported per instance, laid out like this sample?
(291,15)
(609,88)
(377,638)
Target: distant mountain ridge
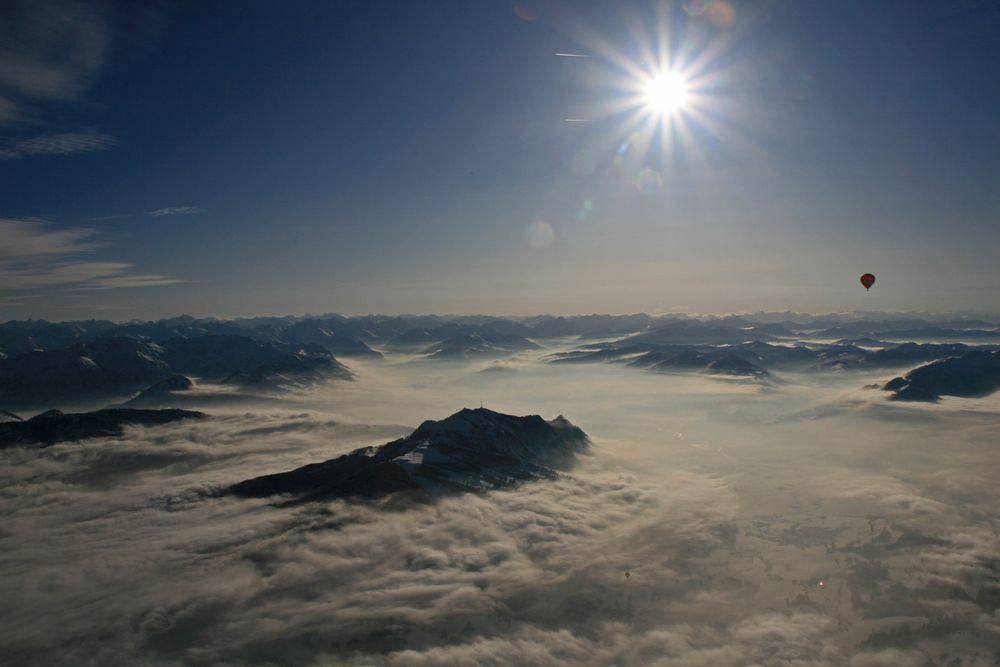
(43,362)
(54,426)
(470,345)
(472,450)
(114,365)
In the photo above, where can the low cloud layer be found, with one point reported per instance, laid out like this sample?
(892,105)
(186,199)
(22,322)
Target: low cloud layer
(842,537)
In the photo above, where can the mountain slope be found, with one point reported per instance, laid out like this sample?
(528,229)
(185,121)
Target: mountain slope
(163,389)
(87,370)
(8,417)
(971,375)
(471,450)
(480,344)
(242,361)
(315,332)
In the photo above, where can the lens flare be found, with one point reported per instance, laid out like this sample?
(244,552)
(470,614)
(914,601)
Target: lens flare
(649,181)
(540,234)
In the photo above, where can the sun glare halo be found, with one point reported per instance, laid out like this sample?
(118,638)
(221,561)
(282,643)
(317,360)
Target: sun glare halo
(666,93)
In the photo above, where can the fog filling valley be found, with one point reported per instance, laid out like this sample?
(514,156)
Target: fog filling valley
(801,522)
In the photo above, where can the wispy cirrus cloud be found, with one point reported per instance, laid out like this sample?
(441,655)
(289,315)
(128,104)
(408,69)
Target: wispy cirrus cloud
(50,51)
(59,143)
(31,238)
(51,54)
(175,210)
(35,257)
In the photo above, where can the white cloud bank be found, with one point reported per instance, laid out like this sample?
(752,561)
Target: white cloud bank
(726,518)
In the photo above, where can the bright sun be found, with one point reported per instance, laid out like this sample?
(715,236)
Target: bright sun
(666,93)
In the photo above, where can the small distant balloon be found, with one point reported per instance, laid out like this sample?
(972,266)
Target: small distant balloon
(627,574)
(867,280)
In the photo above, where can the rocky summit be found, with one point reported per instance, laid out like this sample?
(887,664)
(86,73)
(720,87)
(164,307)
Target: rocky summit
(472,450)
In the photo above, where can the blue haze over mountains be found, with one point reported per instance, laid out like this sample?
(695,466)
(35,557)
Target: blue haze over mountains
(80,362)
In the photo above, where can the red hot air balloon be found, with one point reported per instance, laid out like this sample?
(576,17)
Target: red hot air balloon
(867,280)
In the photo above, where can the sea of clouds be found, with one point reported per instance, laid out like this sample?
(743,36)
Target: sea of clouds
(727,502)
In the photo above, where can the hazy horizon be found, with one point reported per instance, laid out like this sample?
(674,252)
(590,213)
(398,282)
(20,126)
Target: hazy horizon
(790,314)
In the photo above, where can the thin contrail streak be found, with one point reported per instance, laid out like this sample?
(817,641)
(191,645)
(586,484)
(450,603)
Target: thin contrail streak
(572,55)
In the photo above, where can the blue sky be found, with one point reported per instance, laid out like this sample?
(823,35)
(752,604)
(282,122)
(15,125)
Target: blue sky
(235,158)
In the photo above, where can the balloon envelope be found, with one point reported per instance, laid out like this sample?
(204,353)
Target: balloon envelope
(867,280)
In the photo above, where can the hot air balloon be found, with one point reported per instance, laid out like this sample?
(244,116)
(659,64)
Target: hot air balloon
(867,280)
(627,574)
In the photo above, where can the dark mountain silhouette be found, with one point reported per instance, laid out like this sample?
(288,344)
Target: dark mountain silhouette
(692,333)
(318,332)
(939,332)
(648,355)
(603,326)
(914,352)
(25,336)
(489,329)
(242,361)
(551,327)
(606,352)
(107,367)
(472,450)
(971,375)
(54,426)
(100,367)
(177,391)
(865,342)
(719,361)
(161,391)
(416,338)
(479,344)
(43,362)
(913,329)
(731,364)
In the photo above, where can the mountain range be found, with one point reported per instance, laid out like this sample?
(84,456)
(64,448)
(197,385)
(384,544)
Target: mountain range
(90,360)
(110,366)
